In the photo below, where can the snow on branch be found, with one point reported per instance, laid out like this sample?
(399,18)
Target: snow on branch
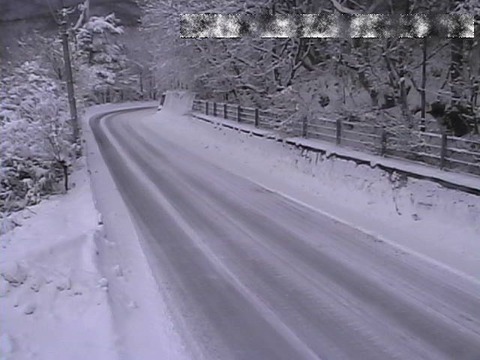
(343,9)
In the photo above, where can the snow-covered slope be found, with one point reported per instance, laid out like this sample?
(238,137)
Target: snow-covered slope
(53,299)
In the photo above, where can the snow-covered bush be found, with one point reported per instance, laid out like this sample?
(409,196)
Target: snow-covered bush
(25,181)
(37,143)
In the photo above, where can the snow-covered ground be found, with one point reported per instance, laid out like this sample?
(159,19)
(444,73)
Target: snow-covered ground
(53,299)
(440,224)
(76,285)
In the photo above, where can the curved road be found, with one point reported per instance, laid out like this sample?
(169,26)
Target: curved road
(249,274)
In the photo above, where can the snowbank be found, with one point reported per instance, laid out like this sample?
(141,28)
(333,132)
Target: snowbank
(178,102)
(429,220)
(53,298)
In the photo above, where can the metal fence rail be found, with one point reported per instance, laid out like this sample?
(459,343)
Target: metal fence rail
(444,151)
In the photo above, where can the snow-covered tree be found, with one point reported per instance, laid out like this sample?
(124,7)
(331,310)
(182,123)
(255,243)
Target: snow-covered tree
(37,139)
(358,79)
(99,58)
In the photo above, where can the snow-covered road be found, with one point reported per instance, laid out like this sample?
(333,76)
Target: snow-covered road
(249,274)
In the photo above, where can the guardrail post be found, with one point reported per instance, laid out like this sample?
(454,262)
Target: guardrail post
(257,120)
(238,113)
(305,127)
(443,151)
(206,107)
(338,131)
(225,114)
(214,108)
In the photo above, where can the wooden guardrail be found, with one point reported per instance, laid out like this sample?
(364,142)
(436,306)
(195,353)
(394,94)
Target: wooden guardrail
(259,118)
(443,151)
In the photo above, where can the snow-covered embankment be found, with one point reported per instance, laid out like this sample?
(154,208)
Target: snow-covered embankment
(53,299)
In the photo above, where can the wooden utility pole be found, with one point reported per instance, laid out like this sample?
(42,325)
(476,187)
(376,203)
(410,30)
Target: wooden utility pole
(69,75)
(424,83)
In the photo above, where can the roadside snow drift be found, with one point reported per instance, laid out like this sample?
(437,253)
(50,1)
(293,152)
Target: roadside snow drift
(53,299)
(178,102)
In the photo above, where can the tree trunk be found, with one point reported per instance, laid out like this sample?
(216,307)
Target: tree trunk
(368,86)
(456,66)
(456,62)
(404,103)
